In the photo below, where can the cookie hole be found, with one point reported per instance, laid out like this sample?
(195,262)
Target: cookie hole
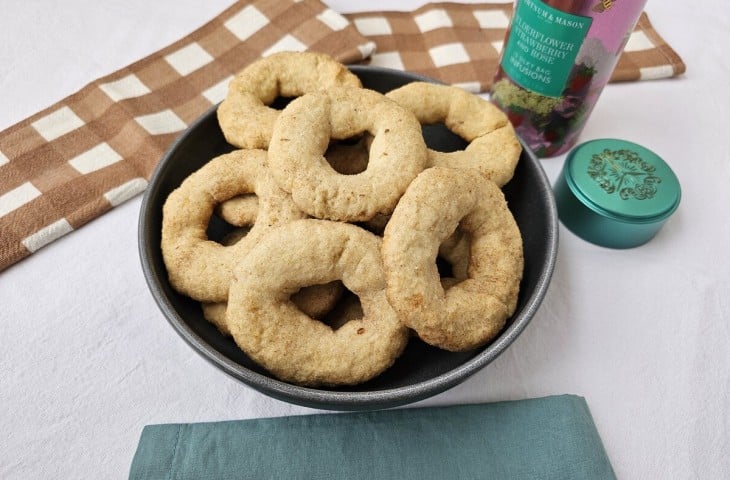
(441,139)
(280,103)
(219,230)
(349,156)
(240,210)
(348,308)
(355,140)
(454,255)
(316,301)
(444,267)
(375,225)
(446,274)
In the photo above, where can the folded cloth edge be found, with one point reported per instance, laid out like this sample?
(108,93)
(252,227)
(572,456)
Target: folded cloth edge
(547,437)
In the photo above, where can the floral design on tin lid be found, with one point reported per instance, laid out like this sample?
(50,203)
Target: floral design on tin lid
(624,172)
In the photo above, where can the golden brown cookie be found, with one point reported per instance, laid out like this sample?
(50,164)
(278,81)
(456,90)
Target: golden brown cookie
(303,132)
(294,347)
(245,115)
(473,311)
(197,266)
(493,147)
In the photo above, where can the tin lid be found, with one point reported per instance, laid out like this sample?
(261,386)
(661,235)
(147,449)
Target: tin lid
(622,180)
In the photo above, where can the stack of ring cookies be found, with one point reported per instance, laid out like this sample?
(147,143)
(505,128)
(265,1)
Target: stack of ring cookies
(348,235)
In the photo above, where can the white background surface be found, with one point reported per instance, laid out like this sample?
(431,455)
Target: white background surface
(87,358)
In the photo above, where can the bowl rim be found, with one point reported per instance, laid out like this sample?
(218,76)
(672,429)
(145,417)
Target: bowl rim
(326,398)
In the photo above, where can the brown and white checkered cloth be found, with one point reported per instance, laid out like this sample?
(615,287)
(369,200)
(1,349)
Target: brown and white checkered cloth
(95,149)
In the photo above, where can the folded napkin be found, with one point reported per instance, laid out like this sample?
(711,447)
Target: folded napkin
(97,148)
(545,438)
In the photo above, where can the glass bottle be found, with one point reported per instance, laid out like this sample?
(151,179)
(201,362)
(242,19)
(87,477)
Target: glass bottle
(557,57)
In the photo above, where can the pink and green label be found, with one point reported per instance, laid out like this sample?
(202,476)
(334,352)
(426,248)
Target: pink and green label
(542,46)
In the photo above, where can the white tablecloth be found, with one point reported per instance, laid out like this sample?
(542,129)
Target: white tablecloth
(88,359)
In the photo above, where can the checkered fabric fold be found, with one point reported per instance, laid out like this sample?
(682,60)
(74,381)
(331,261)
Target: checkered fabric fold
(95,149)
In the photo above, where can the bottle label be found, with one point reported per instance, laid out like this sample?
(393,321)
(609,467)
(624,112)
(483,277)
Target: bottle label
(542,46)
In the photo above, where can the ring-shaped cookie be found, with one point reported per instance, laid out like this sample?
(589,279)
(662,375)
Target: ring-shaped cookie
(295,348)
(345,158)
(301,137)
(197,266)
(245,115)
(493,147)
(474,310)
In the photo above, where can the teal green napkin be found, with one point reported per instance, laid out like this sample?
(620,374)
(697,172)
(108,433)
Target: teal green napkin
(544,438)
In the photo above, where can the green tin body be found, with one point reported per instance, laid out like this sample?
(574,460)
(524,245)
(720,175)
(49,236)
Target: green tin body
(615,193)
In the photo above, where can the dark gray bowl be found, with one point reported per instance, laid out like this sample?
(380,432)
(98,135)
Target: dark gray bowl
(422,371)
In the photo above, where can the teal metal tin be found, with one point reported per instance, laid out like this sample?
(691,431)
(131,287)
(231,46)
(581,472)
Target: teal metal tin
(615,193)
